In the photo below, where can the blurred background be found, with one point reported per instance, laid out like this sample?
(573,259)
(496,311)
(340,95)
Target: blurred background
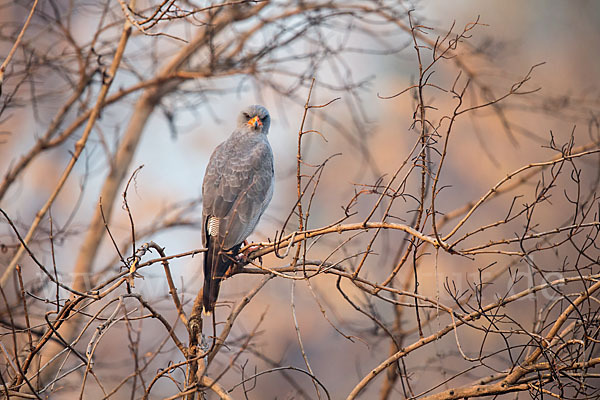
(355,53)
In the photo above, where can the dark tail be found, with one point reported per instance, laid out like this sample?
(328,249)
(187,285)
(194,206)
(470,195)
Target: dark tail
(216,264)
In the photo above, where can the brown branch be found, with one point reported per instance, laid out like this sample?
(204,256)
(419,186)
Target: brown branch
(15,45)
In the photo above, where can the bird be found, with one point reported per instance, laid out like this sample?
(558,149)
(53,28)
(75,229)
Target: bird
(237,188)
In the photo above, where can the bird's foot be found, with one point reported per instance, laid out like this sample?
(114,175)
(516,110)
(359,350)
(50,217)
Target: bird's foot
(252,249)
(243,257)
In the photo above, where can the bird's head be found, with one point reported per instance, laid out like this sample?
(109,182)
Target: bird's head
(254,118)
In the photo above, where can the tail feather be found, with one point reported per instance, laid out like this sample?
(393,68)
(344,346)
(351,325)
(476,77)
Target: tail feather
(216,263)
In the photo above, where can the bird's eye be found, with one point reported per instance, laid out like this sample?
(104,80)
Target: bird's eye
(246,115)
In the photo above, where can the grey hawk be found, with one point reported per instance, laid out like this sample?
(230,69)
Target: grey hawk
(237,187)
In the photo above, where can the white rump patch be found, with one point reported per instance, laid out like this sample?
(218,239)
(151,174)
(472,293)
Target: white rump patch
(213,226)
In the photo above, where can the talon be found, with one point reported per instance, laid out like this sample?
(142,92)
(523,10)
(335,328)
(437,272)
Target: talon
(242,258)
(246,253)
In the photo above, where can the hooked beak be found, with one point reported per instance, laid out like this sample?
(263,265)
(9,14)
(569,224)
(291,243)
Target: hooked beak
(255,122)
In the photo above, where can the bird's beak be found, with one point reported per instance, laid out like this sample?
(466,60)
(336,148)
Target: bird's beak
(255,122)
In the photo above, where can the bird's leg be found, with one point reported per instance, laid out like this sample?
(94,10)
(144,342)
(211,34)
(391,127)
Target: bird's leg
(239,260)
(243,257)
(250,249)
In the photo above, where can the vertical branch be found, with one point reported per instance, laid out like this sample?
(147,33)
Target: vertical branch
(299,337)
(24,300)
(195,341)
(299,162)
(11,53)
(423,160)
